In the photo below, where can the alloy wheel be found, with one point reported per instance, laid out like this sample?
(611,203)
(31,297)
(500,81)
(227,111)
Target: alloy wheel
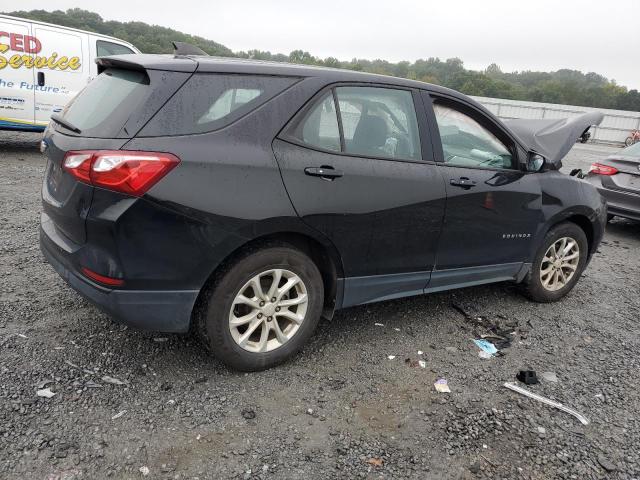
(559,263)
(268,310)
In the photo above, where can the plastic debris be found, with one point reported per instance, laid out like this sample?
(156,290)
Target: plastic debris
(43,384)
(144,470)
(379,324)
(396,329)
(112,380)
(118,415)
(549,377)
(22,335)
(420,352)
(486,346)
(391,357)
(442,386)
(160,339)
(485,355)
(422,364)
(517,388)
(45,393)
(528,377)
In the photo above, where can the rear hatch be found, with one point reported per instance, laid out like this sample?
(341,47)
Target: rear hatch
(103,116)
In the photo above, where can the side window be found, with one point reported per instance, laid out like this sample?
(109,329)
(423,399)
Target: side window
(209,101)
(104,48)
(319,128)
(466,143)
(379,122)
(376,122)
(230,100)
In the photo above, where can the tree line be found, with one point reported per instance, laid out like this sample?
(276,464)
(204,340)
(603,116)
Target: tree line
(569,87)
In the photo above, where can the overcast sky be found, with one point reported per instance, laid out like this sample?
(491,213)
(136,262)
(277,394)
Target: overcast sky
(600,36)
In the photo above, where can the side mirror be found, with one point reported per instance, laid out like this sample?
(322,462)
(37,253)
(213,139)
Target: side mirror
(535,162)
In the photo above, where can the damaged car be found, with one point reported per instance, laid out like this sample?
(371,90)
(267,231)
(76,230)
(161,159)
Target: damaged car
(617,178)
(245,200)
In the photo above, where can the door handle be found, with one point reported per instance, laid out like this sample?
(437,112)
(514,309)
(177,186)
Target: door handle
(41,79)
(463,182)
(325,172)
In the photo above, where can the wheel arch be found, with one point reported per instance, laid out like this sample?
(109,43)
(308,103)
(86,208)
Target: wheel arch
(587,227)
(321,251)
(581,218)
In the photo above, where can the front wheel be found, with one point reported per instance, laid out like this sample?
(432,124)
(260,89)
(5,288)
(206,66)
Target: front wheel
(262,308)
(558,263)
(629,141)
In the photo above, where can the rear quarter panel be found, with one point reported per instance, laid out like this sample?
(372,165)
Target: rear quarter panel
(227,189)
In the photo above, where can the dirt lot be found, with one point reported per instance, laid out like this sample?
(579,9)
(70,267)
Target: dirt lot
(341,409)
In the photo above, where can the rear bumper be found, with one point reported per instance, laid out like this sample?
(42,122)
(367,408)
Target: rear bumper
(157,310)
(619,203)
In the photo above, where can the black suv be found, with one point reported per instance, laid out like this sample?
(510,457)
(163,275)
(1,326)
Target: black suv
(245,200)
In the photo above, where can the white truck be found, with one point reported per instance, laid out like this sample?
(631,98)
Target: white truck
(43,66)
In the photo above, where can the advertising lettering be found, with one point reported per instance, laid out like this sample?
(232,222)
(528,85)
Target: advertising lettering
(28,58)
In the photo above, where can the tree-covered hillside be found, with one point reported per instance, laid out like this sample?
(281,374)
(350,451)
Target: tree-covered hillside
(563,86)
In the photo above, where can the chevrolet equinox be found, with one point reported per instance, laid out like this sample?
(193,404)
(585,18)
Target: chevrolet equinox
(244,200)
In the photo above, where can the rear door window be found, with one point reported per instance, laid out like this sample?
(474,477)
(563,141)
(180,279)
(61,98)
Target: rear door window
(320,127)
(367,121)
(209,101)
(379,122)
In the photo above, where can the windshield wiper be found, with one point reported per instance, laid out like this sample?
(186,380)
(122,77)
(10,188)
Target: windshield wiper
(65,123)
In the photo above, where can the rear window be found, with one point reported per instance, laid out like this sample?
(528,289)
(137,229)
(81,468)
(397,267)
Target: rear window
(118,102)
(209,101)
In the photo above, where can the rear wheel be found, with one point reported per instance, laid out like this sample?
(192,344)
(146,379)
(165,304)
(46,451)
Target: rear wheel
(558,263)
(262,308)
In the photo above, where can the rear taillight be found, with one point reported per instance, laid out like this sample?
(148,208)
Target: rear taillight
(599,169)
(112,282)
(130,172)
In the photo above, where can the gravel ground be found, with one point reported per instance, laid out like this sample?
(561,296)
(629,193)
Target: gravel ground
(341,409)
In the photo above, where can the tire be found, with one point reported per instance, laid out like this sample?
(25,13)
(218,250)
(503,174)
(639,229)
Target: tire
(628,141)
(533,284)
(213,323)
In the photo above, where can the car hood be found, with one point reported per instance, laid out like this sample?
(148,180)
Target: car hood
(552,138)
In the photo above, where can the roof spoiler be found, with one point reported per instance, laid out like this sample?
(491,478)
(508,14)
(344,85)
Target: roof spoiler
(183,48)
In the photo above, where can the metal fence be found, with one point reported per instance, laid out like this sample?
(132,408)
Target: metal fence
(615,127)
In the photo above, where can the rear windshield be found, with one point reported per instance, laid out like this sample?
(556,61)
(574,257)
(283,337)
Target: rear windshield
(211,101)
(118,102)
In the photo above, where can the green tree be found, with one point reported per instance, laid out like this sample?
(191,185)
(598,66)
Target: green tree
(563,86)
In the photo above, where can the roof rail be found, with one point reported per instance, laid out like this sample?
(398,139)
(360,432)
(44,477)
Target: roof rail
(184,48)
